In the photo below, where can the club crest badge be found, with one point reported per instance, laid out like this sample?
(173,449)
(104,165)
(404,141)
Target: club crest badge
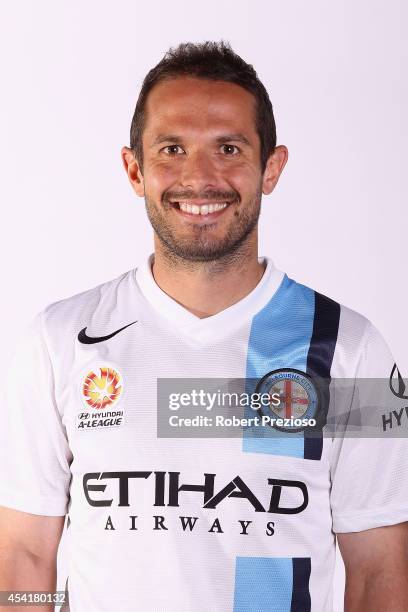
(299,399)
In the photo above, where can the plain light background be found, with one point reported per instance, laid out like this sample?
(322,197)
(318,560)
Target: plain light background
(336,74)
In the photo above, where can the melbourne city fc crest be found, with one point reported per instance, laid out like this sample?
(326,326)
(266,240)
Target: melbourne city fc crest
(296,405)
(100,389)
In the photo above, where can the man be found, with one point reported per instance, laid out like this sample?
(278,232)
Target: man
(244,521)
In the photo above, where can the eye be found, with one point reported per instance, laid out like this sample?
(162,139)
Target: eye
(173,149)
(229,149)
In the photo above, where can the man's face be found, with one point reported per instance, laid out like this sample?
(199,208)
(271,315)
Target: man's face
(202,170)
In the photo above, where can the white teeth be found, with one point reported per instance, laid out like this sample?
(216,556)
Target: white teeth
(204,209)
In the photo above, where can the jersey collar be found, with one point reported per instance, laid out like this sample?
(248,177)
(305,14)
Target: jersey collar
(218,325)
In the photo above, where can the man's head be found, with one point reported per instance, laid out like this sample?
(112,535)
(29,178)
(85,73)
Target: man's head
(203,133)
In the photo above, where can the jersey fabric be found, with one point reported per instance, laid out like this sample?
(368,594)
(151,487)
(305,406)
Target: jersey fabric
(191,524)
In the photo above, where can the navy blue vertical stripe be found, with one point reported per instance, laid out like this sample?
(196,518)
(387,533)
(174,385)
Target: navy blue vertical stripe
(300,591)
(320,358)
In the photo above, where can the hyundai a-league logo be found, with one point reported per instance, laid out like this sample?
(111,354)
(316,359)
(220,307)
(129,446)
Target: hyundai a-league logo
(100,389)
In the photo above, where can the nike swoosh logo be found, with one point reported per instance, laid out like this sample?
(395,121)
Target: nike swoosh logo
(82,337)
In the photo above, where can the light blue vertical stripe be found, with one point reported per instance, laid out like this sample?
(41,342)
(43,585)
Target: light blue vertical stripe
(263,584)
(279,338)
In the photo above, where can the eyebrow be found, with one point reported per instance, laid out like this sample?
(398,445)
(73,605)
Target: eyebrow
(166,138)
(237,137)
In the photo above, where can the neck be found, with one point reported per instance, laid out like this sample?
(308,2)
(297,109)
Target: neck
(206,288)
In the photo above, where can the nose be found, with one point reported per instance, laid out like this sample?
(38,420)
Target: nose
(198,171)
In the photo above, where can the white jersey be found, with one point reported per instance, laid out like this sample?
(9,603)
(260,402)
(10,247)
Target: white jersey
(192,524)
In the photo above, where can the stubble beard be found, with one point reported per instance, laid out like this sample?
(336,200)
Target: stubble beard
(200,246)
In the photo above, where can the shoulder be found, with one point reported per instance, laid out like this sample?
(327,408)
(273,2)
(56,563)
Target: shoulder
(355,334)
(80,304)
(103,305)
(350,321)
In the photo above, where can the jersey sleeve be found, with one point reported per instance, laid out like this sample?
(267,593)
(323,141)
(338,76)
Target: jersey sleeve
(34,453)
(369,470)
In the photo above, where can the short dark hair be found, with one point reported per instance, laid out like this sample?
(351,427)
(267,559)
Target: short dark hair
(215,61)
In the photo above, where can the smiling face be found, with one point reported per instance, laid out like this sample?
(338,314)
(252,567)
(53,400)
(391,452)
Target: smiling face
(202,178)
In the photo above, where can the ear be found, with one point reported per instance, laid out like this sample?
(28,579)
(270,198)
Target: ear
(274,166)
(132,169)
